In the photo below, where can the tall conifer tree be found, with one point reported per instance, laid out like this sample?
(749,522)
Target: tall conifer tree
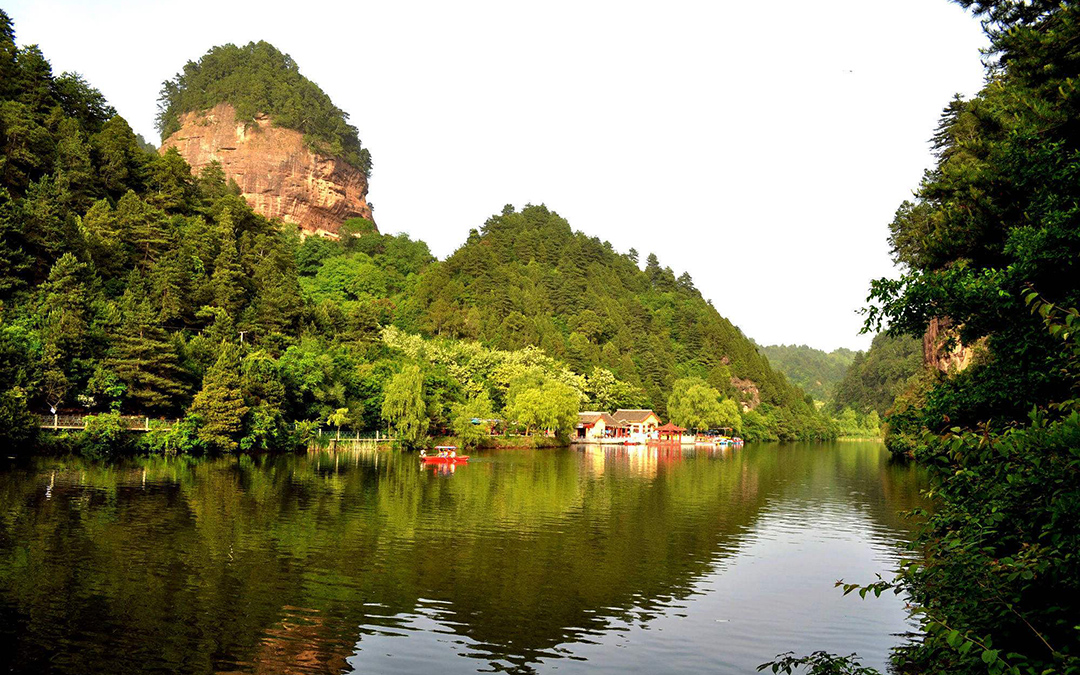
(220,403)
(228,278)
(142,355)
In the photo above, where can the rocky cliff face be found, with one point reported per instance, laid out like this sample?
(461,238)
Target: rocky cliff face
(938,355)
(277,172)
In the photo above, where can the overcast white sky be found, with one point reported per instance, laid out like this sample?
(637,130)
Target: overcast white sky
(762,147)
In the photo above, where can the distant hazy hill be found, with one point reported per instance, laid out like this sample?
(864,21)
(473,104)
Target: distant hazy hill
(816,371)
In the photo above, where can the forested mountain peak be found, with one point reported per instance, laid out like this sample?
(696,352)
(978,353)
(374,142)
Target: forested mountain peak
(275,133)
(258,79)
(130,284)
(526,277)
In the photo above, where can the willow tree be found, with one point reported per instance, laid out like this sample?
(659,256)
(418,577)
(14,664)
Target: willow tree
(404,408)
(696,405)
(471,420)
(551,406)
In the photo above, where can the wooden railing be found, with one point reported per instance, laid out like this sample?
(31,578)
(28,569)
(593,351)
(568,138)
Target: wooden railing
(128,422)
(345,436)
(138,423)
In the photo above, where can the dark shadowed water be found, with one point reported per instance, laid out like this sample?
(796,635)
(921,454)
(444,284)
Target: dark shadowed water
(587,560)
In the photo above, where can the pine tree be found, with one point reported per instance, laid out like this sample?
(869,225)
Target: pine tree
(34,83)
(47,233)
(142,356)
(66,306)
(219,405)
(65,313)
(171,187)
(14,262)
(118,157)
(169,283)
(105,241)
(278,302)
(81,102)
(7,56)
(75,178)
(26,147)
(652,268)
(211,182)
(228,277)
(143,226)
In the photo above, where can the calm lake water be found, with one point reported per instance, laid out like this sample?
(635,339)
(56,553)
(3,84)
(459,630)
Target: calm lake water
(585,560)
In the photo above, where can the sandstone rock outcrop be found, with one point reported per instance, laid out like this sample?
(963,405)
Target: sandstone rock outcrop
(277,172)
(936,352)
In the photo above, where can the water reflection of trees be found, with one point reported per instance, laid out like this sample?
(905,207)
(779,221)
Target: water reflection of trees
(226,564)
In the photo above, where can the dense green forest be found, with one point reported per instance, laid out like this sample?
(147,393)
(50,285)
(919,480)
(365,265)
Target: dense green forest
(527,278)
(257,79)
(991,244)
(129,286)
(815,370)
(875,378)
(855,388)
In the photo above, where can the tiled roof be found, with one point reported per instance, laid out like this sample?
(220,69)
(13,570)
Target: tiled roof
(589,417)
(634,416)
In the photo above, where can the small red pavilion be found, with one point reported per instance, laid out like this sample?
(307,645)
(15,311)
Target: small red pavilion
(670,433)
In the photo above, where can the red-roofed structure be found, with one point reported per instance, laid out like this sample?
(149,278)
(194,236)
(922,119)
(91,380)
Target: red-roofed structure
(670,433)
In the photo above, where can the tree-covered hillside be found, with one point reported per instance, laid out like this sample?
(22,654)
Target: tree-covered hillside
(129,286)
(258,79)
(816,371)
(877,377)
(998,215)
(991,243)
(527,278)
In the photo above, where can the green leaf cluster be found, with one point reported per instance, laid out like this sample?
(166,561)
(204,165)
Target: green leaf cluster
(695,405)
(996,215)
(992,232)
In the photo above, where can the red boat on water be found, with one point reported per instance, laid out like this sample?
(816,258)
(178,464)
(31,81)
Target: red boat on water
(447,454)
(433,459)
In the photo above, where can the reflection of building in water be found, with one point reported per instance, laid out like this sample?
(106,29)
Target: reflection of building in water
(643,461)
(637,460)
(598,458)
(301,643)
